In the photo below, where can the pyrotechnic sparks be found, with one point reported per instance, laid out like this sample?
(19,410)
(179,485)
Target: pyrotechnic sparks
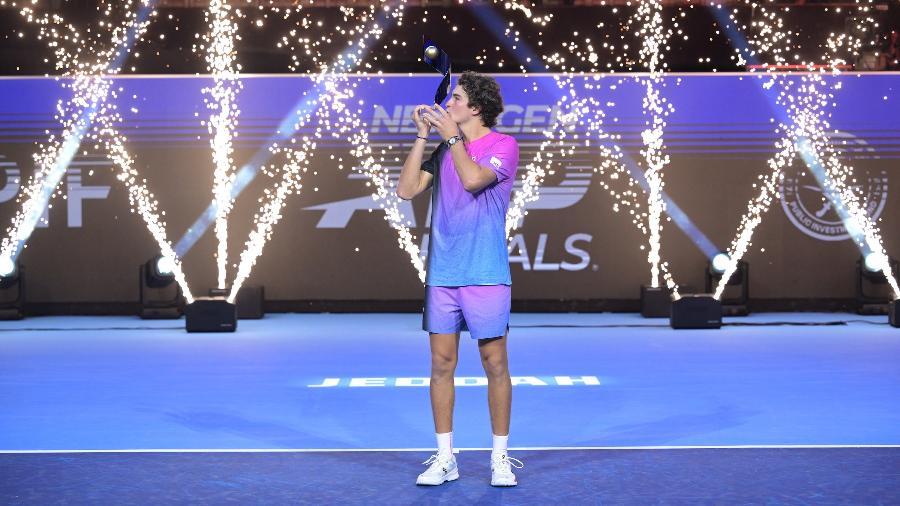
(221,61)
(806,134)
(220,58)
(90,88)
(577,55)
(336,112)
(92,113)
(336,91)
(141,199)
(655,37)
(270,214)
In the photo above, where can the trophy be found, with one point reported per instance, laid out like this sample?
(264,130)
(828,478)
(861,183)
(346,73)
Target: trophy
(439,61)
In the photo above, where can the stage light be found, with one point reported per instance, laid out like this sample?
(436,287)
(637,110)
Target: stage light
(165,267)
(873,292)
(733,305)
(7,266)
(11,282)
(894,310)
(158,272)
(720,262)
(874,261)
(155,277)
(9,272)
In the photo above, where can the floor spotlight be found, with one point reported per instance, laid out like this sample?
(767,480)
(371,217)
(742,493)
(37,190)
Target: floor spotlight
(894,317)
(874,262)
(733,304)
(12,290)
(873,294)
(157,275)
(719,263)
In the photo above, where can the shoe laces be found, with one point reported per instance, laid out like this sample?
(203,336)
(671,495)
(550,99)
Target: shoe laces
(437,460)
(504,462)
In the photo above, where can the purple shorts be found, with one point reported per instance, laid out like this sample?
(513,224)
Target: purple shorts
(483,310)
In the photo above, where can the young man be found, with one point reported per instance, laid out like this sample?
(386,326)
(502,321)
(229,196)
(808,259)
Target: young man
(468,282)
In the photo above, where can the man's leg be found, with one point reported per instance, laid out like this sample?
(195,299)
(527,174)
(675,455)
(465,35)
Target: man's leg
(496,367)
(444,351)
(444,356)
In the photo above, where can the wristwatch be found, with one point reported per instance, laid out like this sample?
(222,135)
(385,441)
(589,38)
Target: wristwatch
(453,140)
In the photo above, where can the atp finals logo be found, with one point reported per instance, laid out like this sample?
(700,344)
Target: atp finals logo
(813,213)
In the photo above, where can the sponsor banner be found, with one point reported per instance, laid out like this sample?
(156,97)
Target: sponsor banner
(333,242)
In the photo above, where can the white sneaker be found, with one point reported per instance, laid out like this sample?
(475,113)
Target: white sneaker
(443,468)
(501,470)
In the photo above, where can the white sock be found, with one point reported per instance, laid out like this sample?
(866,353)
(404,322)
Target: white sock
(445,443)
(500,445)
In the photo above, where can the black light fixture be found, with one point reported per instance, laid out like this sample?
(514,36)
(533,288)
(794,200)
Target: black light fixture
(873,293)
(12,290)
(155,277)
(732,305)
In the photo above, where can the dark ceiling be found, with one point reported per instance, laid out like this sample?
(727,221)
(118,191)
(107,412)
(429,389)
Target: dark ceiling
(471,34)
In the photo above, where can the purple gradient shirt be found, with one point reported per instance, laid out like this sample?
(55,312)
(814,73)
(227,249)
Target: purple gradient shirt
(468,245)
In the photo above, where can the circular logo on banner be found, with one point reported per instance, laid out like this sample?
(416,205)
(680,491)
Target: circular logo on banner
(806,205)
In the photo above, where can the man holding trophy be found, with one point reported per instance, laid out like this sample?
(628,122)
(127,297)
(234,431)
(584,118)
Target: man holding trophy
(471,172)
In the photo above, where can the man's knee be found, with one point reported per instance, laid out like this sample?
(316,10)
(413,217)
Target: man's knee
(443,364)
(495,365)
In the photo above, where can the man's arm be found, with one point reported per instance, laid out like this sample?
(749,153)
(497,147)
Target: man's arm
(414,180)
(474,177)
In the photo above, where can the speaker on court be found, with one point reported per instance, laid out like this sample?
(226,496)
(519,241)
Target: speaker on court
(697,311)
(894,313)
(210,314)
(655,302)
(250,302)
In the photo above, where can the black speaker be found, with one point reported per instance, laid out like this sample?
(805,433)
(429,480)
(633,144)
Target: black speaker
(250,302)
(655,302)
(894,313)
(13,308)
(699,311)
(210,314)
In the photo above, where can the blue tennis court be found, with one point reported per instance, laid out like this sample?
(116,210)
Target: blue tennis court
(333,408)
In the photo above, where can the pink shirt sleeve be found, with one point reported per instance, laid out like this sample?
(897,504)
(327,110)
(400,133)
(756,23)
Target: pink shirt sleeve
(503,158)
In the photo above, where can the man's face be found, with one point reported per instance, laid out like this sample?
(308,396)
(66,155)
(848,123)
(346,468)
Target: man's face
(458,106)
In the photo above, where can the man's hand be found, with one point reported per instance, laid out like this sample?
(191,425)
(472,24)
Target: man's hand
(423,126)
(438,117)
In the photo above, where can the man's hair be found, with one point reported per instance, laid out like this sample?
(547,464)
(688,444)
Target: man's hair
(484,95)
